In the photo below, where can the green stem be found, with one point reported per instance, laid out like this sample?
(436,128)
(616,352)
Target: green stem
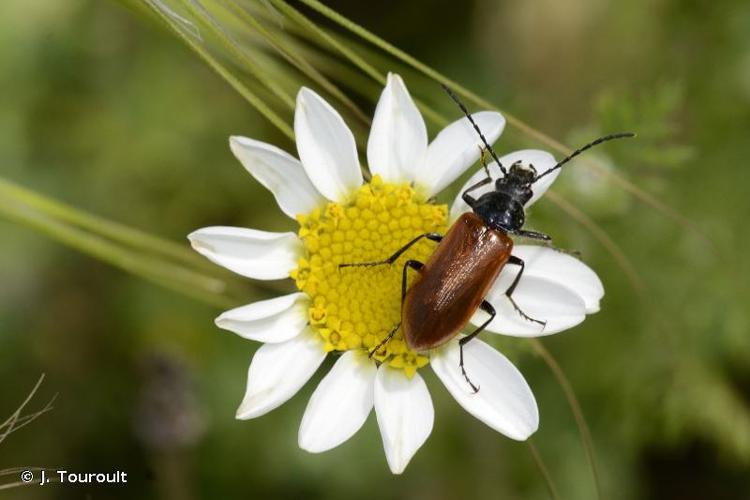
(353,57)
(154,269)
(604,239)
(303,21)
(113,230)
(10,422)
(543,469)
(236,84)
(288,53)
(233,47)
(575,406)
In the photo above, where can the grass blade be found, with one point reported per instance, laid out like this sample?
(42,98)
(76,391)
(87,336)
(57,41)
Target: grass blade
(115,231)
(224,72)
(575,406)
(165,273)
(543,469)
(288,52)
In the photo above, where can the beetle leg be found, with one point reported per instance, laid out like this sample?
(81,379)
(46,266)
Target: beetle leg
(385,340)
(483,160)
(470,200)
(390,260)
(486,307)
(509,292)
(414,264)
(574,253)
(534,235)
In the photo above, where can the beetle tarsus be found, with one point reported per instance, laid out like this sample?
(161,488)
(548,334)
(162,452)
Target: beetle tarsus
(384,341)
(363,264)
(533,235)
(474,388)
(509,292)
(574,253)
(486,307)
(523,314)
(461,343)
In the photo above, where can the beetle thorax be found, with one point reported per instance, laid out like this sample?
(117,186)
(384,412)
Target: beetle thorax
(503,208)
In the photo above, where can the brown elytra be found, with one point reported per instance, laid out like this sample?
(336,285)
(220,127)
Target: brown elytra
(450,287)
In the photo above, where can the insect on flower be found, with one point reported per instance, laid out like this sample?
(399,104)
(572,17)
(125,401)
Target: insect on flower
(340,218)
(452,284)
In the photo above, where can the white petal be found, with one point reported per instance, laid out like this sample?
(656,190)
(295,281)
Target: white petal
(326,147)
(541,160)
(405,415)
(255,254)
(539,298)
(504,400)
(274,320)
(280,173)
(278,371)
(398,138)
(456,148)
(340,405)
(563,269)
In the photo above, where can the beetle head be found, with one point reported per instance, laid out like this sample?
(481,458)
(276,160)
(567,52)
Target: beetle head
(517,184)
(521,173)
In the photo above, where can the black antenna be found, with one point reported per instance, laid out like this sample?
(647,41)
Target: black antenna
(619,135)
(476,127)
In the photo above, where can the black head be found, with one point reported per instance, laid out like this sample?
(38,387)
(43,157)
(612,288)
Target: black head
(517,182)
(503,208)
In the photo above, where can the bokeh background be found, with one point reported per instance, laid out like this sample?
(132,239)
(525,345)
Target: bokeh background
(105,109)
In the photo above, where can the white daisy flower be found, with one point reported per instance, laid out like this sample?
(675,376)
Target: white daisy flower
(342,219)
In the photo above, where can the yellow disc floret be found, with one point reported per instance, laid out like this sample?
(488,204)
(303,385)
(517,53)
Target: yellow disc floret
(356,307)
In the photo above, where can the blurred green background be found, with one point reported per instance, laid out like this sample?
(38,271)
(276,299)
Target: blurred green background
(105,109)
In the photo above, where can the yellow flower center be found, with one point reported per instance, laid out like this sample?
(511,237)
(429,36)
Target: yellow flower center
(356,307)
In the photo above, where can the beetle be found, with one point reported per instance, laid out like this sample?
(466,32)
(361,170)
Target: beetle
(452,284)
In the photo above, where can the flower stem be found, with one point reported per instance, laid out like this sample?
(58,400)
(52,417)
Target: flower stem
(543,469)
(570,396)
